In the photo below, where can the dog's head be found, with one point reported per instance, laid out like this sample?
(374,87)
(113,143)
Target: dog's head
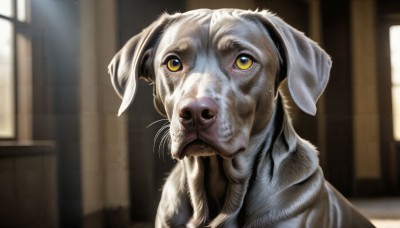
(216,74)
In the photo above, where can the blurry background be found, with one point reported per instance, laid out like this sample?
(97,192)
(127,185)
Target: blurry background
(67,160)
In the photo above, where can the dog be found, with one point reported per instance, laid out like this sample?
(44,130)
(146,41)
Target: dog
(216,77)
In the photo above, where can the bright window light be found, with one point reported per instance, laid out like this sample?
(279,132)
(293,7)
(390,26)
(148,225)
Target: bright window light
(6,8)
(7,115)
(21,10)
(395,62)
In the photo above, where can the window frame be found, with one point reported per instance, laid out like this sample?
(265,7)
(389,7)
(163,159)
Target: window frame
(14,21)
(22,67)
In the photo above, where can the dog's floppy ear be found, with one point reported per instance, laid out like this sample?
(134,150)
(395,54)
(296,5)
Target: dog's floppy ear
(306,65)
(131,62)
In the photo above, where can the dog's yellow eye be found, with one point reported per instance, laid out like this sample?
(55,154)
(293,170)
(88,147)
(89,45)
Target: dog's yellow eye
(174,64)
(243,62)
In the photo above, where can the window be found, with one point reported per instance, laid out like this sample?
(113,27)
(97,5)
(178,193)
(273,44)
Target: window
(7,86)
(11,12)
(395,69)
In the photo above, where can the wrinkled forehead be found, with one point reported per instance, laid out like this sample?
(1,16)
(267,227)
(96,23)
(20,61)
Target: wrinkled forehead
(193,26)
(212,28)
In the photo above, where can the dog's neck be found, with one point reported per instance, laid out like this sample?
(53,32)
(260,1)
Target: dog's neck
(218,186)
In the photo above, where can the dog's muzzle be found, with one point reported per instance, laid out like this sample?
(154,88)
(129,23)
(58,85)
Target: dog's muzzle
(198,117)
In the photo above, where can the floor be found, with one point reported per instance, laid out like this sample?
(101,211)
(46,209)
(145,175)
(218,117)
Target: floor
(383,212)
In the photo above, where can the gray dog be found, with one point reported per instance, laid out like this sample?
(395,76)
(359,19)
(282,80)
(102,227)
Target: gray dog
(216,75)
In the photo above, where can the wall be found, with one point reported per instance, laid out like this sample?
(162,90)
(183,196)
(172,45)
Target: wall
(365,94)
(55,50)
(74,105)
(28,189)
(339,169)
(104,155)
(197,4)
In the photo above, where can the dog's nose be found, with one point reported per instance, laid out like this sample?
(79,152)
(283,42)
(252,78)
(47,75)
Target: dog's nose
(200,112)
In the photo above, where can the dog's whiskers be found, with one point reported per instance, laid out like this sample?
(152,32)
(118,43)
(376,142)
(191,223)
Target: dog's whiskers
(151,124)
(164,139)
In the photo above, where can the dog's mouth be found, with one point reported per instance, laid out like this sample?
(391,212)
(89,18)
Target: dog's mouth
(197,148)
(201,148)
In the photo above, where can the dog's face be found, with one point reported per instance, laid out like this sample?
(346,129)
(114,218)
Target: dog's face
(216,74)
(225,68)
